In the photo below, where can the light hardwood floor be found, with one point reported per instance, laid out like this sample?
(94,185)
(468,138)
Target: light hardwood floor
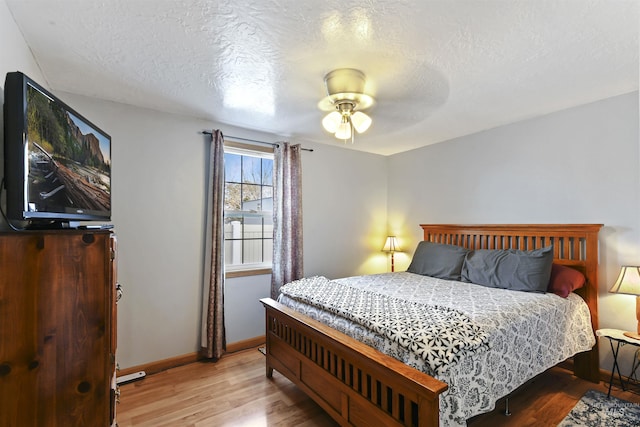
(235,392)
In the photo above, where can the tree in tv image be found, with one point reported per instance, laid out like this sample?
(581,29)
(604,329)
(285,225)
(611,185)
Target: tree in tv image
(69,164)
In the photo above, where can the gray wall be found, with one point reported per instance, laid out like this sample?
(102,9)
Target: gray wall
(575,166)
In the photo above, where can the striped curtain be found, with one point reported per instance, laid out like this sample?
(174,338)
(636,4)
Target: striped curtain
(213,334)
(287,216)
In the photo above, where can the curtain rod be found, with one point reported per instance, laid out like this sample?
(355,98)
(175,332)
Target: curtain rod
(273,144)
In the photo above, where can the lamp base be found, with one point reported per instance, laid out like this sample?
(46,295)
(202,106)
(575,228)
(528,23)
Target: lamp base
(632,335)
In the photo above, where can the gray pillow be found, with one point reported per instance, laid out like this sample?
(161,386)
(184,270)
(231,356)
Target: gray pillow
(509,269)
(438,260)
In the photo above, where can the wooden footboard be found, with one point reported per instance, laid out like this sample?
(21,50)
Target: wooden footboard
(356,384)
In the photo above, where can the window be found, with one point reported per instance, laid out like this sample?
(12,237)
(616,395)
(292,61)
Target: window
(248,208)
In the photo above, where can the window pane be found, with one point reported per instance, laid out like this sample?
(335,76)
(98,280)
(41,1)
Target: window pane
(267,193)
(228,253)
(251,170)
(252,251)
(252,239)
(232,194)
(252,228)
(233,242)
(267,228)
(268,250)
(267,171)
(232,167)
(251,197)
(233,228)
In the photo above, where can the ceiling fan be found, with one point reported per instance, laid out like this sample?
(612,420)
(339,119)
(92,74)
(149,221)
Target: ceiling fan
(345,99)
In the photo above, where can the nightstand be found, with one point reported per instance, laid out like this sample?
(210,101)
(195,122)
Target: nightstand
(616,335)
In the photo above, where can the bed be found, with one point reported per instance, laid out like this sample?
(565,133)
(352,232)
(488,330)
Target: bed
(361,386)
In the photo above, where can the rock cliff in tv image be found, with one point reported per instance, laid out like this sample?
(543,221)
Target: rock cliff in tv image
(69,164)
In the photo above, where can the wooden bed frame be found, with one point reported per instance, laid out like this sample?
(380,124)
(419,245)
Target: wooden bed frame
(359,386)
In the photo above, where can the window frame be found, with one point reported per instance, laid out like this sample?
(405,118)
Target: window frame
(245,149)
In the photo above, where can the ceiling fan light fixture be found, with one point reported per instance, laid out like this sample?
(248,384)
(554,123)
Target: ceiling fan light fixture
(344,130)
(345,89)
(361,121)
(331,122)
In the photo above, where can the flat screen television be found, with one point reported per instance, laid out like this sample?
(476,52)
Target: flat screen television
(57,164)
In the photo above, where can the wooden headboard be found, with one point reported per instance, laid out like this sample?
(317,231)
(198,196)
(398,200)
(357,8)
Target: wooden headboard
(574,245)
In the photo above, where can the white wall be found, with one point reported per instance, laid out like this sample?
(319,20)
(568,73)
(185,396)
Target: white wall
(575,166)
(15,55)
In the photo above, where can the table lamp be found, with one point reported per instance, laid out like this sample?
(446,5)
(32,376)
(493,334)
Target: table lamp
(391,245)
(629,283)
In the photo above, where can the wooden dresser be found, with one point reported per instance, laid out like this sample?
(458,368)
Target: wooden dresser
(57,328)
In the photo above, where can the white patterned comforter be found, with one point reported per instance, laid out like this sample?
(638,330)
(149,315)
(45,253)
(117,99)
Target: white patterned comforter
(439,335)
(527,334)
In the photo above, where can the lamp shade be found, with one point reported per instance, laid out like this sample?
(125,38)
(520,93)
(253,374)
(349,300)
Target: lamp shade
(344,130)
(391,244)
(361,121)
(628,281)
(331,121)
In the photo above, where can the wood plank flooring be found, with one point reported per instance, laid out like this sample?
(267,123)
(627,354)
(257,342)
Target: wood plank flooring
(235,392)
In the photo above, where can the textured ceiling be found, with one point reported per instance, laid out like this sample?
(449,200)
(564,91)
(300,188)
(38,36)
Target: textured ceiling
(438,69)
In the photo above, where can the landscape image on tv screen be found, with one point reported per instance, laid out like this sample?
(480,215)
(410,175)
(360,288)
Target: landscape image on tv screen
(69,164)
